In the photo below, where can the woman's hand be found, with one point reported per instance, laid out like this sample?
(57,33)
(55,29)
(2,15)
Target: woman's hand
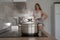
(41,27)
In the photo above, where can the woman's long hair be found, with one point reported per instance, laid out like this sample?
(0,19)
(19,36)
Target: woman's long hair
(38,6)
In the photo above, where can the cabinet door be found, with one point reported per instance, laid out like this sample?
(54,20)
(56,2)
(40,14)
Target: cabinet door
(57,21)
(19,0)
(57,26)
(6,0)
(13,0)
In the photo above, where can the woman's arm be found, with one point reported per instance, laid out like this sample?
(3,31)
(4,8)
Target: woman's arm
(33,16)
(44,16)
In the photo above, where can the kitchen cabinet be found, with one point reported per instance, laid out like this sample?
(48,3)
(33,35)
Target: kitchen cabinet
(6,0)
(19,0)
(57,21)
(12,0)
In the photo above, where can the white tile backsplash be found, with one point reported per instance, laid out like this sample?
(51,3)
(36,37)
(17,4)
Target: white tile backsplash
(7,13)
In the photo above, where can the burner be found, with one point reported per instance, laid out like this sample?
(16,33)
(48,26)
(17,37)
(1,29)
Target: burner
(30,35)
(33,35)
(8,34)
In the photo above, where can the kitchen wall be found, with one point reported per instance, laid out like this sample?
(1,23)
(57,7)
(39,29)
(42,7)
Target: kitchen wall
(8,11)
(46,6)
(5,13)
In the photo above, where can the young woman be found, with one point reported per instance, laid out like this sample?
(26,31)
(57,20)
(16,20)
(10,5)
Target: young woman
(39,16)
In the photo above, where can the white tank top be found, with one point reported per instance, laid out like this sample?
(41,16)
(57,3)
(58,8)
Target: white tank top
(37,14)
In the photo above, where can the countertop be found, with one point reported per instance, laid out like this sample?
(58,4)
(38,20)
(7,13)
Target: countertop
(49,37)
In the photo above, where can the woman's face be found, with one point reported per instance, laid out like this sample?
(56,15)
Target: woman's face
(36,7)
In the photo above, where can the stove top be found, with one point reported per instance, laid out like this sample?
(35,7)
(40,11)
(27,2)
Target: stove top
(9,34)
